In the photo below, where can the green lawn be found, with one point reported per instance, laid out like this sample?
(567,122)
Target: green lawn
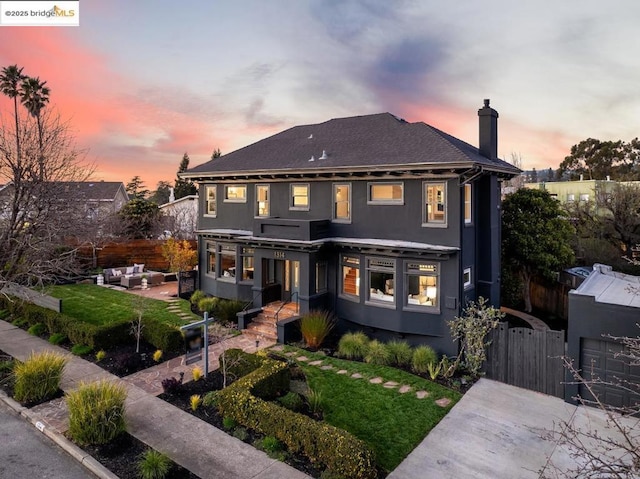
(97,305)
(392,424)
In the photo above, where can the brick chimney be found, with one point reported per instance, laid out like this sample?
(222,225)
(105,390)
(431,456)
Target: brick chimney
(488,119)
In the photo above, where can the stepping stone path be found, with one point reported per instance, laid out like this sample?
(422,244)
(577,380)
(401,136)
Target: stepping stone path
(402,389)
(278,347)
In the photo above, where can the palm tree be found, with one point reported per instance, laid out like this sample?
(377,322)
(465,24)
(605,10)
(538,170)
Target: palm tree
(10,79)
(34,95)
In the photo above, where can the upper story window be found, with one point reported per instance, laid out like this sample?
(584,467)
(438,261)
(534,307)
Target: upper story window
(435,204)
(299,196)
(235,193)
(386,193)
(584,197)
(350,277)
(423,289)
(263,202)
(210,198)
(571,197)
(342,202)
(467,204)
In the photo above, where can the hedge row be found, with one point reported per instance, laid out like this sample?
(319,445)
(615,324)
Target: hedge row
(161,335)
(339,451)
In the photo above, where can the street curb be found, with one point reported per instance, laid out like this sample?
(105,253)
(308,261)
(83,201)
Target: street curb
(91,464)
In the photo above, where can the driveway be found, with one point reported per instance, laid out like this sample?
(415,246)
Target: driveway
(494,432)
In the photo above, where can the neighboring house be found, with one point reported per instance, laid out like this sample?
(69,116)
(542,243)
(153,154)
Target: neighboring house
(606,303)
(392,225)
(579,191)
(182,216)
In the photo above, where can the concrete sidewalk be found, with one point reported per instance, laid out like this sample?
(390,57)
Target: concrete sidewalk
(190,442)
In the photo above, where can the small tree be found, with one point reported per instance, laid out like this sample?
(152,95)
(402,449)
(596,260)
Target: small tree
(536,239)
(139,305)
(180,255)
(471,329)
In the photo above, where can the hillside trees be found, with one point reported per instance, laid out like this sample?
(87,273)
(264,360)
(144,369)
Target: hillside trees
(595,160)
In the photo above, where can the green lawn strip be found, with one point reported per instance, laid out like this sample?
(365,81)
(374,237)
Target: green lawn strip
(392,424)
(101,306)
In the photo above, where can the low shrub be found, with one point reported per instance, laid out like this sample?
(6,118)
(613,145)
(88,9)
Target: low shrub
(96,412)
(240,433)
(320,442)
(197,296)
(57,338)
(195,401)
(353,345)
(269,444)
(81,349)
(315,401)
(154,465)
(157,355)
(197,373)
(229,423)
(315,326)
(100,355)
(400,352)
(37,329)
(208,304)
(38,378)
(162,336)
(292,401)
(377,353)
(226,310)
(422,357)
(239,363)
(6,365)
(171,385)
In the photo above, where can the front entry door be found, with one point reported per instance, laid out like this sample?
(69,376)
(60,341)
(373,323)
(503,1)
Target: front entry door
(291,279)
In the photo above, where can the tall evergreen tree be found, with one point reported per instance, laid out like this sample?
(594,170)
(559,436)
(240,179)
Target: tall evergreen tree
(136,189)
(182,187)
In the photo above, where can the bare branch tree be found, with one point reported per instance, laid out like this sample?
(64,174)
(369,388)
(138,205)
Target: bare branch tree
(39,213)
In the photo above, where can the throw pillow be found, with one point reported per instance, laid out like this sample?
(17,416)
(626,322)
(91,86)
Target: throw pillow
(129,270)
(117,272)
(140,267)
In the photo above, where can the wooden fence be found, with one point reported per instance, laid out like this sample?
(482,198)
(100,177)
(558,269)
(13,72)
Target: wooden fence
(553,298)
(127,253)
(527,358)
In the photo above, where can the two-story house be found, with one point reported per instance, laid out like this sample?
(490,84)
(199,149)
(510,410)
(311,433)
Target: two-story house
(391,225)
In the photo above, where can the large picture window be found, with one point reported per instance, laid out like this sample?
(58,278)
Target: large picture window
(350,277)
(210,198)
(262,200)
(435,204)
(386,193)
(381,280)
(235,193)
(299,196)
(227,262)
(342,202)
(423,289)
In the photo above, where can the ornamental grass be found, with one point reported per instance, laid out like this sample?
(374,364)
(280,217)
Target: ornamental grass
(315,326)
(38,378)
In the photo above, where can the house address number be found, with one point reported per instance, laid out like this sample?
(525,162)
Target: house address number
(279,254)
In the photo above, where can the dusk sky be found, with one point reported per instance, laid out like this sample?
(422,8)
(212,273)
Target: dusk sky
(144,82)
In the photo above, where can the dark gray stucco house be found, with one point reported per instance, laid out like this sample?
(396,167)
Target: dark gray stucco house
(391,225)
(606,304)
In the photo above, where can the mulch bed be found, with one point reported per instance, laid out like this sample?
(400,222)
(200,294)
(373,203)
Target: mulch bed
(122,455)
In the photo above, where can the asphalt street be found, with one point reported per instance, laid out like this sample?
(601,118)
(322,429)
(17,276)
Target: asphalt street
(27,453)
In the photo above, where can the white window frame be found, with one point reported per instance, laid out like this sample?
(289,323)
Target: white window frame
(467,283)
(418,269)
(292,205)
(234,200)
(425,206)
(389,201)
(267,201)
(350,261)
(468,204)
(376,265)
(337,219)
(209,201)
